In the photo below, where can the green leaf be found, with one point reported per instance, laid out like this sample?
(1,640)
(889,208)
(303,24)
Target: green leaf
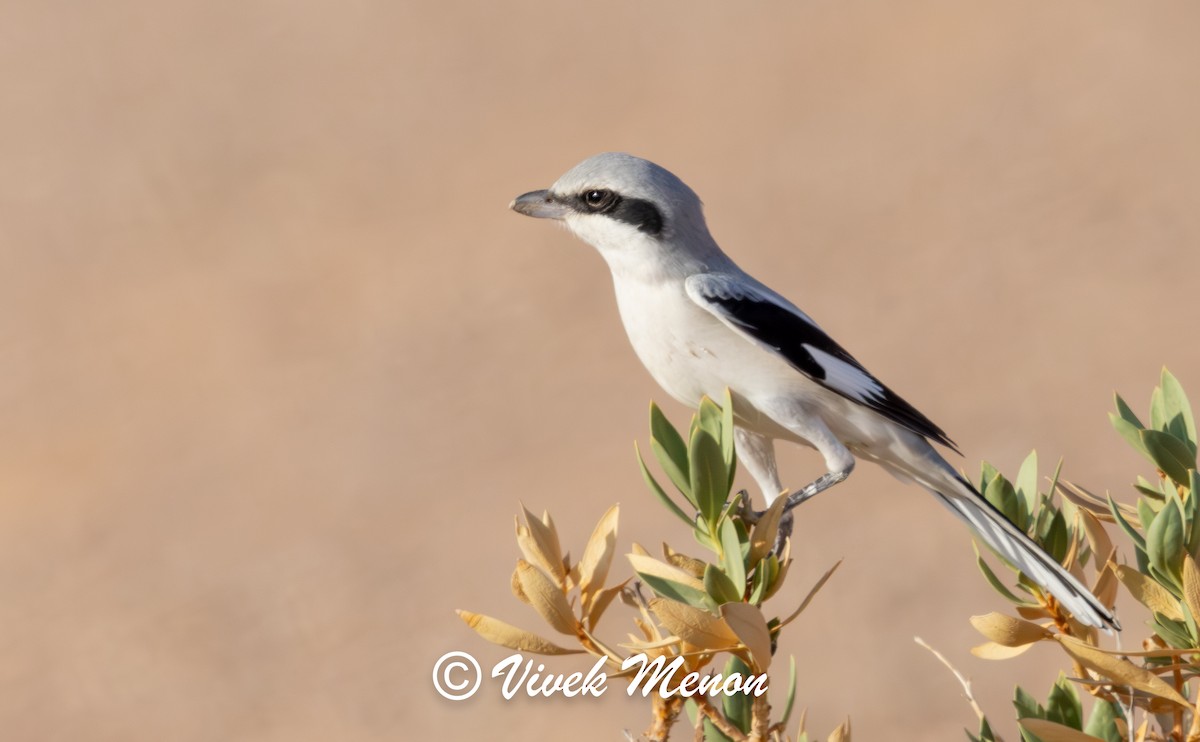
(708,418)
(1057,539)
(719,586)
(731,556)
(1027,481)
(708,476)
(994,581)
(758,584)
(670,450)
(678,591)
(1180,421)
(1147,488)
(987,474)
(1173,632)
(1138,540)
(1158,412)
(1000,492)
(985,732)
(1063,705)
(711,732)
(1147,512)
(1193,543)
(652,483)
(791,692)
(1169,454)
(1127,414)
(728,449)
(1027,706)
(1068,507)
(1164,541)
(1173,496)
(737,706)
(1189,623)
(1127,430)
(1103,722)
(765,575)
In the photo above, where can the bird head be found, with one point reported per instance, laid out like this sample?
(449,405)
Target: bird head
(631,210)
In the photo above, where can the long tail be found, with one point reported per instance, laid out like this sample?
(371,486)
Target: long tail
(1013,544)
(998,532)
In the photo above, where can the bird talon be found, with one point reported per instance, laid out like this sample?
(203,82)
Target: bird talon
(749,515)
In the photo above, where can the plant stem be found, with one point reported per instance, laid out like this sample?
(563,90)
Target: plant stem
(718,719)
(666,711)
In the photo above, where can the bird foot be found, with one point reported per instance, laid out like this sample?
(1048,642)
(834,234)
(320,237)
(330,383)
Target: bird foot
(749,515)
(784,533)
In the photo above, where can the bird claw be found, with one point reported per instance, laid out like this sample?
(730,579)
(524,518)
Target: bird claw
(749,515)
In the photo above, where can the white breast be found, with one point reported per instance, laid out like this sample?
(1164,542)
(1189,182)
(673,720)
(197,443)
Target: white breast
(689,352)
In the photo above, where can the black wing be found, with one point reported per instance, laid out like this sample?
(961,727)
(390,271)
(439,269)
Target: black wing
(772,322)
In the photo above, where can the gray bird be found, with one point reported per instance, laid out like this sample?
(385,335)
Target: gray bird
(700,324)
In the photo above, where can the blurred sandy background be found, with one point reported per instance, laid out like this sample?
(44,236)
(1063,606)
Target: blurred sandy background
(278,364)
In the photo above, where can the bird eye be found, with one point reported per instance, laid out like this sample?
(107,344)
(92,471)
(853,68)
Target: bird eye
(597,199)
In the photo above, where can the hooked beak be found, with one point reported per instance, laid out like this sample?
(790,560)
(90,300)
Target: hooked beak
(540,205)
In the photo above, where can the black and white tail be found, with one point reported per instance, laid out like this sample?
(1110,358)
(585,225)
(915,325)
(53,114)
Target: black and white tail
(1013,544)
(998,532)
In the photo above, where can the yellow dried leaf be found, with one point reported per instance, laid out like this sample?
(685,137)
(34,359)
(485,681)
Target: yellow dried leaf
(842,733)
(597,555)
(1049,731)
(1149,593)
(641,646)
(811,593)
(1143,731)
(600,603)
(1191,585)
(651,566)
(646,629)
(994,651)
(533,552)
(694,626)
(691,565)
(1009,631)
(1032,612)
(779,579)
(1121,672)
(1097,506)
(748,623)
(547,598)
(1105,588)
(543,541)
(1071,560)
(1097,537)
(762,538)
(506,635)
(803,719)
(516,586)
(570,573)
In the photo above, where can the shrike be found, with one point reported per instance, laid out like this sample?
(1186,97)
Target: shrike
(700,325)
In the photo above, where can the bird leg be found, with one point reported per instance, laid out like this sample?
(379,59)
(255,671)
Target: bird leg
(823,482)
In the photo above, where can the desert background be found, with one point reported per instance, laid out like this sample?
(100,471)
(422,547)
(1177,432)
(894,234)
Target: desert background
(277,365)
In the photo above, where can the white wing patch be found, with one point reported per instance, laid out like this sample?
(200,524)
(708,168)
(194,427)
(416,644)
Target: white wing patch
(848,379)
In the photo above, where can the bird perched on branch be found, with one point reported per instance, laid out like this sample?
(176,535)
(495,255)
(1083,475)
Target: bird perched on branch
(700,324)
